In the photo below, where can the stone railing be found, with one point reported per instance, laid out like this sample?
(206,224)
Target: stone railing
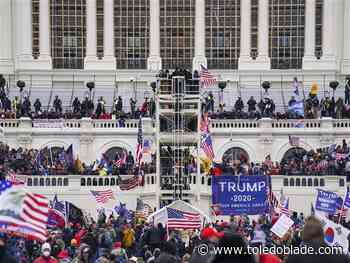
(9,123)
(234,124)
(287,124)
(112,124)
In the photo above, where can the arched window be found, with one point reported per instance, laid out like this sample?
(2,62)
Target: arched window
(235,153)
(286,33)
(295,153)
(114,152)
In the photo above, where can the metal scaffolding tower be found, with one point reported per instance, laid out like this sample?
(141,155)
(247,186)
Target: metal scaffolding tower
(178,110)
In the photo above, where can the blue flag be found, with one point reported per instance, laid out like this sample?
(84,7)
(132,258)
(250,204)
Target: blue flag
(236,195)
(347,199)
(326,202)
(298,108)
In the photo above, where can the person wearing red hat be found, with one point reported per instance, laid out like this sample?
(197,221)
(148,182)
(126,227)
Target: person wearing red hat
(209,239)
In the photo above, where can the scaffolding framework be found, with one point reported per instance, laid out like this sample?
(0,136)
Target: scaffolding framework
(178,104)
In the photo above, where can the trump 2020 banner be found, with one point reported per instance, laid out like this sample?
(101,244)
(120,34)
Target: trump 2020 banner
(240,194)
(326,201)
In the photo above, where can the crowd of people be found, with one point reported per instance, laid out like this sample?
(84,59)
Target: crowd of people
(312,108)
(22,106)
(332,160)
(120,238)
(58,161)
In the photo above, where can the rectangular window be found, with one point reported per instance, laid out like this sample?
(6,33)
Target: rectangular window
(223,33)
(286,33)
(35,28)
(177,18)
(68,33)
(131,33)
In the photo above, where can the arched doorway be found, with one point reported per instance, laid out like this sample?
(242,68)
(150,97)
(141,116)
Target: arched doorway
(295,153)
(115,153)
(235,153)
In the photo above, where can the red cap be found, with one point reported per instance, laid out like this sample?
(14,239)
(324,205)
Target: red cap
(117,245)
(209,232)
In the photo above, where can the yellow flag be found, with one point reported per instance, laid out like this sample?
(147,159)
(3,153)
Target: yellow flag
(205,164)
(314,89)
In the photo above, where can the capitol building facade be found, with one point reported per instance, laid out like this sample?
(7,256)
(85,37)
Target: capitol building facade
(56,47)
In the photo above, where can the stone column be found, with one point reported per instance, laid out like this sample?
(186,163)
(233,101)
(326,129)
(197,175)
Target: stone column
(310,35)
(199,34)
(6,29)
(245,58)
(108,60)
(263,59)
(23,34)
(329,34)
(44,35)
(91,40)
(346,34)
(154,61)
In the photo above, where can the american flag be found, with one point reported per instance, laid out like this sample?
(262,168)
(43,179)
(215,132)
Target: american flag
(206,78)
(284,207)
(340,156)
(204,125)
(341,211)
(273,200)
(59,206)
(131,183)
(294,141)
(207,145)
(14,178)
(120,162)
(183,220)
(32,216)
(139,146)
(102,196)
(322,165)
(142,210)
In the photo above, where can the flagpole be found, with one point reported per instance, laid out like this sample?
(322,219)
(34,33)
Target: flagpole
(342,207)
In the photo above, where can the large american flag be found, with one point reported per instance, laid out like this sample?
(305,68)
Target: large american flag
(139,147)
(131,183)
(32,216)
(183,220)
(102,196)
(121,161)
(206,78)
(207,145)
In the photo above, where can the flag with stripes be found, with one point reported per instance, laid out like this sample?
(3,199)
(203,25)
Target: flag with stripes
(23,213)
(14,178)
(204,124)
(121,161)
(284,207)
(322,165)
(342,210)
(183,220)
(139,147)
(207,145)
(340,156)
(59,205)
(102,196)
(206,79)
(142,210)
(128,184)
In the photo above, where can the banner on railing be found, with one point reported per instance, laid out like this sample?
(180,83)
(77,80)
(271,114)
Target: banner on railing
(48,123)
(235,195)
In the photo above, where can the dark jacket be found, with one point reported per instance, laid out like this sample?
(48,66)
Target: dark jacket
(333,258)
(8,259)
